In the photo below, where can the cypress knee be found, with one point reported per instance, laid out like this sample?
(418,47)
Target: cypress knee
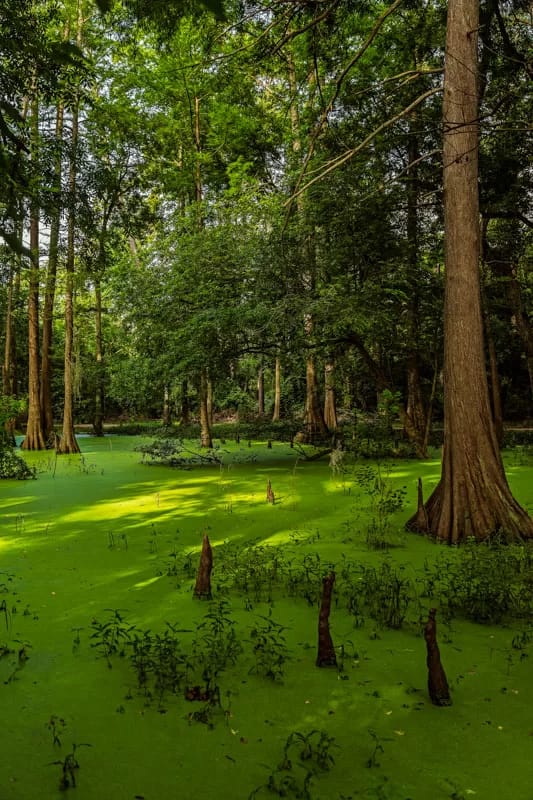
(202,589)
(437,683)
(419,523)
(326,651)
(270,494)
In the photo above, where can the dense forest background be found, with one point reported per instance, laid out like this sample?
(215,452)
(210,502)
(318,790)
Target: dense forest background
(237,209)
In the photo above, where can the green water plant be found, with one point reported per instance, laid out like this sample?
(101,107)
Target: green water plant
(111,635)
(69,767)
(269,648)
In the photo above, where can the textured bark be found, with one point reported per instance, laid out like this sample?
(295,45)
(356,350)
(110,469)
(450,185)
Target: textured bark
(34,439)
(99,396)
(419,523)
(270,494)
(314,426)
(473,497)
(326,656)
(166,407)
(49,295)
(330,402)
(277,391)
(184,415)
(261,391)
(68,443)
(437,682)
(205,427)
(202,589)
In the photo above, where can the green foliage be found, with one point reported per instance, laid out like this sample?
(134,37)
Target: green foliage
(175,453)
(385,593)
(14,466)
(269,648)
(111,635)
(483,581)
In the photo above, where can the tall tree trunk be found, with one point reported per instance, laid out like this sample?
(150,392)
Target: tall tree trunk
(8,367)
(330,402)
(209,400)
(99,395)
(473,497)
(313,423)
(276,414)
(205,426)
(49,293)
(261,391)
(414,414)
(34,439)
(185,411)
(166,406)
(68,442)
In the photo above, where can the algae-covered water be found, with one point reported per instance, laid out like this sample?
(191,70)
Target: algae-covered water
(102,539)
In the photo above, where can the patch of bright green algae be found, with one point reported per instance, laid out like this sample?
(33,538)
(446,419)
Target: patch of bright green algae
(98,533)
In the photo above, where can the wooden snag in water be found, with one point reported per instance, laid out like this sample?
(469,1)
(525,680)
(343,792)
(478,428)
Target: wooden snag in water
(437,683)
(202,589)
(326,656)
(270,494)
(419,523)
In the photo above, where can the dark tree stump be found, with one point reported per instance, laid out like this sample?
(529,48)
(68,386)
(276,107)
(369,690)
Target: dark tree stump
(419,522)
(326,651)
(202,589)
(437,683)
(270,494)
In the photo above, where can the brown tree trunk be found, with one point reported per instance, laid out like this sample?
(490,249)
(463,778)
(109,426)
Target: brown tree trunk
(314,426)
(99,397)
(166,406)
(326,656)
(414,415)
(184,416)
(68,442)
(49,294)
(277,391)
(34,439)
(330,402)
(205,427)
(261,391)
(473,497)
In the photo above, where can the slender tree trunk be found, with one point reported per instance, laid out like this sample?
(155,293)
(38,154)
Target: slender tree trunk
(473,497)
(68,442)
(414,414)
(185,411)
(209,401)
(276,414)
(166,406)
(34,439)
(330,403)
(49,294)
(9,352)
(261,391)
(99,396)
(205,426)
